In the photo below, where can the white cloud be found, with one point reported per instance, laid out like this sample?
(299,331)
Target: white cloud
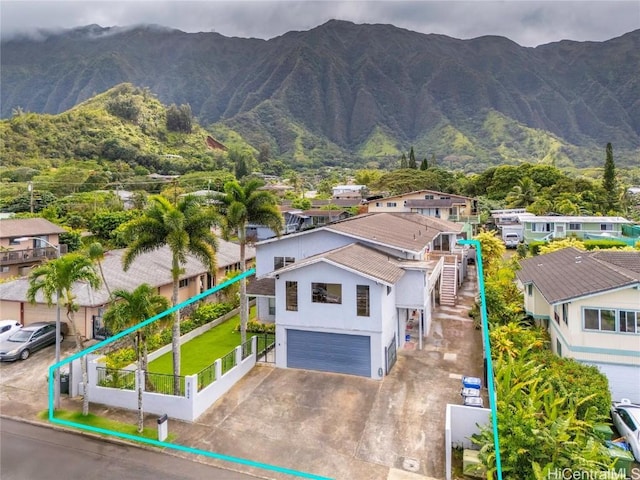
(528,23)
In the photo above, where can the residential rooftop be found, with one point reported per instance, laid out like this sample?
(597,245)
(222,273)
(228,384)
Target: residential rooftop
(571,273)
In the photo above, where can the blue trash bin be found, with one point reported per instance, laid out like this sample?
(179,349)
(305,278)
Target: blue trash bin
(471,382)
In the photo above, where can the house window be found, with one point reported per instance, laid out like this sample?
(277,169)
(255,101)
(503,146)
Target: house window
(556,316)
(558,348)
(183,283)
(272,306)
(428,197)
(575,226)
(326,293)
(600,319)
(608,227)
(629,321)
(540,227)
(291,292)
(362,300)
(279,262)
(377,204)
(530,289)
(4,269)
(565,313)
(391,204)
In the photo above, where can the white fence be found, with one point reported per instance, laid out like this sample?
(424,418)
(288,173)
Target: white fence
(188,407)
(460,423)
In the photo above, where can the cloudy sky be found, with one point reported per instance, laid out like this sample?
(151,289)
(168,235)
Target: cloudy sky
(529,23)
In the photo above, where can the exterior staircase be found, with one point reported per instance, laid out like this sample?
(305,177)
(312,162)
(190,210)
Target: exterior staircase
(449,284)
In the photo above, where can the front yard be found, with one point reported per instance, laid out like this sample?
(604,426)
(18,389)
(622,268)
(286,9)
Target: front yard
(202,351)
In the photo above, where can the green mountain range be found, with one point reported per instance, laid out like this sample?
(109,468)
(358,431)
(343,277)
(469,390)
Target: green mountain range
(346,94)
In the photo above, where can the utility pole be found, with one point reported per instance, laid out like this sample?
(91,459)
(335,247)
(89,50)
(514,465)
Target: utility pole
(30,188)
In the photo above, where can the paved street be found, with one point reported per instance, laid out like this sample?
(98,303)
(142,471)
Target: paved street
(31,452)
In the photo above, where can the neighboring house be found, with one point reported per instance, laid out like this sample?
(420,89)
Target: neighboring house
(153,268)
(590,303)
(295,220)
(350,189)
(431,203)
(344,296)
(18,257)
(552,226)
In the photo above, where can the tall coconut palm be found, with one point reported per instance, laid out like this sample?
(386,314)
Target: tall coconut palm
(186,229)
(96,253)
(57,277)
(240,205)
(130,309)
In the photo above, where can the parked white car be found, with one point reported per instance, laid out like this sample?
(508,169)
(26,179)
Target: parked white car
(8,328)
(626,418)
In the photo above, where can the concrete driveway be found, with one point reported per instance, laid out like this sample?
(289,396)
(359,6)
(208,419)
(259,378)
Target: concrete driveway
(338,426)
(24,383)
(348,427)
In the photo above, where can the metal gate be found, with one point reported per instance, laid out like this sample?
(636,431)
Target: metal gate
(99,330)
(266,347)
(329,352)
(391,354)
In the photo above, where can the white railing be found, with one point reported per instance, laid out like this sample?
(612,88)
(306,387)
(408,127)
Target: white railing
(188,407)
(435,273)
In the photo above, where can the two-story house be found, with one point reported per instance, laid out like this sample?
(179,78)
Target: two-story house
(447,206)
(590,303)
(343,296)
(25,242)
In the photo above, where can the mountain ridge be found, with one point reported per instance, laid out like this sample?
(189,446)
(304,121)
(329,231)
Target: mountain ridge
(343,83)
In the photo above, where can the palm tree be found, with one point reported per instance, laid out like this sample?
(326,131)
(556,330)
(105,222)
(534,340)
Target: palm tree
(523,194)
(96,253)
(239,205)
(131,309)
(57,277)
(184,228)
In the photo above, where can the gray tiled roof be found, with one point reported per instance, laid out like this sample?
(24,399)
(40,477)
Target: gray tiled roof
(629,261)
(263,287)
(406,231)
(23,227)
(153,268)
(571,273)
(358,258)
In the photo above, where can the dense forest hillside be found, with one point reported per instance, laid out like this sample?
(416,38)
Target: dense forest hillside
(343,94)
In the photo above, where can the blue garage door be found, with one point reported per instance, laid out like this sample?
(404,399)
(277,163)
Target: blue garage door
(329,352)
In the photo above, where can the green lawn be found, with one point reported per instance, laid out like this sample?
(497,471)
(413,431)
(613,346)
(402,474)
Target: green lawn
(104,423)
(203,350)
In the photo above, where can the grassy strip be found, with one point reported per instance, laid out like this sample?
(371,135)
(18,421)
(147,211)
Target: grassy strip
(203,350)
(104,423)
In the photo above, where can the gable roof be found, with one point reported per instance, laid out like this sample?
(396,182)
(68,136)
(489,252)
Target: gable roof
(571,273)
(356,258)
(433,192)
(24,227)
(152,267)
(406,231)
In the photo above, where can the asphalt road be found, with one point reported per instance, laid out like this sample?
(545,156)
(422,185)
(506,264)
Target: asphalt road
(30,452)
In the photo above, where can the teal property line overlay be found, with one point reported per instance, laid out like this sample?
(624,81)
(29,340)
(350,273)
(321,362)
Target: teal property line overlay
(487,342)
(157,443)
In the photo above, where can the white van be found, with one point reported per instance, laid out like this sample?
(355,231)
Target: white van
(511,240)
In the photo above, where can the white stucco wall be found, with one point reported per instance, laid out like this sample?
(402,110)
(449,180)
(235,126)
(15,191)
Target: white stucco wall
(595,346)
(336,318)
(412,289)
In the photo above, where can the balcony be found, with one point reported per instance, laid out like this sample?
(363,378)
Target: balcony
(472,219)
(29,255)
